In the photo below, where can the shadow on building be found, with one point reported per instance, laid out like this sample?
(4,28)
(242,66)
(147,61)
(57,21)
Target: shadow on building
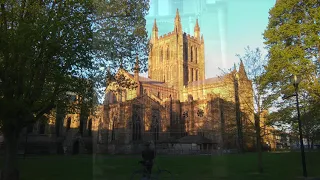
(172,127)
(58,134)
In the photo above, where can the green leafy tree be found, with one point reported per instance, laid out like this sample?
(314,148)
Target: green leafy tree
(50,48)
(292,39)
(120,28)
(44,46)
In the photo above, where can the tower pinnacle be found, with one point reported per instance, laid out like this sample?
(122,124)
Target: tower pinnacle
(197,27)
(154,35)
(177,22)
(197,30)
(177,14)
(242,69)
(155,27)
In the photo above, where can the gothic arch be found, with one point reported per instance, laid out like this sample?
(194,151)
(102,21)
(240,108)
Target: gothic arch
(191,54)
(156,128)
(136,127)
(196,55)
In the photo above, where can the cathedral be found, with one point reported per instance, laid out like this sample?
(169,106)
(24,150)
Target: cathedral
(176,103)
(175,107)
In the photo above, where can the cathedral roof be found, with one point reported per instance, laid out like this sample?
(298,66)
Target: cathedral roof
(145,80)
(206,81)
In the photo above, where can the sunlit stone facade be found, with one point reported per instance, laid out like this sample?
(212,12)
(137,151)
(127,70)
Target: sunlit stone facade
(175,100)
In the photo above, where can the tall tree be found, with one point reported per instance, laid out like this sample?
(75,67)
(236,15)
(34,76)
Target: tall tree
(120,27)
(49,48)
(253,61)
(292,39)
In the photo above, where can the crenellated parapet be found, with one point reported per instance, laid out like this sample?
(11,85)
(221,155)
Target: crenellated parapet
(168,35)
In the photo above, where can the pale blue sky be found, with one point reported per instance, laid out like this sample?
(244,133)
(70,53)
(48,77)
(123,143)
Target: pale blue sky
(244,23)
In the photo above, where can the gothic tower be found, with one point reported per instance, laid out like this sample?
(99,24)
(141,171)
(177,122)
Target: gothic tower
(194,57)
(176,58)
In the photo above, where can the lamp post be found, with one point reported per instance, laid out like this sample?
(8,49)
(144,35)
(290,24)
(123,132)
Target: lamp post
(296,82)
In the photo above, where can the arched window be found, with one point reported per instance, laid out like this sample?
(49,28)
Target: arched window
(196,55)
(168,53)
(136,128)
(192,75)
(191,54)
(68,123)
(189,75)
(197,75)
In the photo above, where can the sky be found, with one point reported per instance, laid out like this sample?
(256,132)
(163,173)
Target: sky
(228,26)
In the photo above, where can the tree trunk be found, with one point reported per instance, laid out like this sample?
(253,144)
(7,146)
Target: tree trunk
(308,142)
(259,146)
(10,171)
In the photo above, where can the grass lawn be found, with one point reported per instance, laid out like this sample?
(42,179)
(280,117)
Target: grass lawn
(278,166)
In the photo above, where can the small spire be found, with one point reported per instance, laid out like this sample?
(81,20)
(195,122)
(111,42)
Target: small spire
(197,27)
(197,31)
(242,69)
(155,27)
(177,13)
(241,63)
(177,23)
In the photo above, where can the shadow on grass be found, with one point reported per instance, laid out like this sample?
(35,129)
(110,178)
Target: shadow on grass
(241,167)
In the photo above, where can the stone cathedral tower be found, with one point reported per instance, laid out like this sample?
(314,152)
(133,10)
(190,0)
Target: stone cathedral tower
(177,58)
